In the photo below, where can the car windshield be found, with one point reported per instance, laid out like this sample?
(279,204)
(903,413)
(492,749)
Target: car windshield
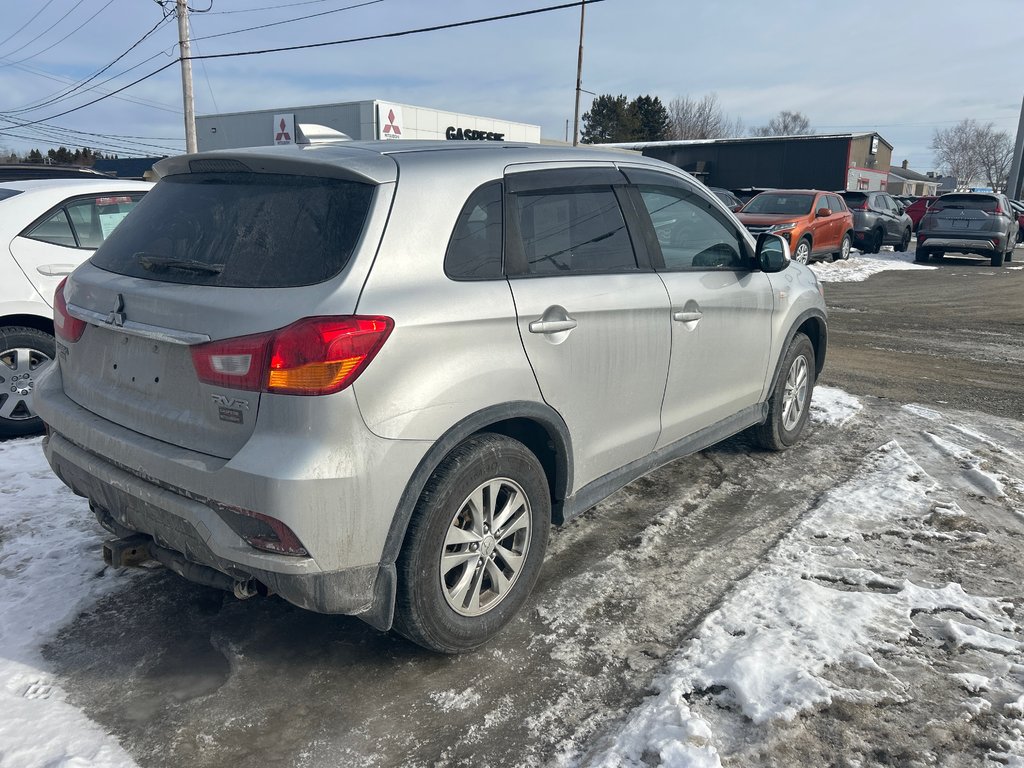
(5,193)
(780,203)
(965,202)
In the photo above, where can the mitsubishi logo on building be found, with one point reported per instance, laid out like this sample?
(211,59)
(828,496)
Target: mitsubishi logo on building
(389,119)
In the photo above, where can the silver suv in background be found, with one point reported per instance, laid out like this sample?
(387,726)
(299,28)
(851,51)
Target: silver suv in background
(368,377)
(968,222)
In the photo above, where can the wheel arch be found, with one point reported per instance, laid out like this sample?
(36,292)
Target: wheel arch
(812,324)
(38,322)
(538,426)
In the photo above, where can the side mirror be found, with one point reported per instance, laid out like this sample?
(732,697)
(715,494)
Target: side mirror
(900,210)
(823,212)
(772,253)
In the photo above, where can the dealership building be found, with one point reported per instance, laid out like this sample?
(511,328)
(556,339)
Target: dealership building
(360,120)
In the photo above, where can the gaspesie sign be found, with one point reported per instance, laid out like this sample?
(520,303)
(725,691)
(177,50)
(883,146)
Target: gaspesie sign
(458,134)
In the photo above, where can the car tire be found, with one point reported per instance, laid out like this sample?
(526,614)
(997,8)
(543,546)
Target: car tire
(790,401)
(904,242)
(450,593)
(997,259)
(922,255)
(802,252)
(876,241)
(24,354)
(844,248)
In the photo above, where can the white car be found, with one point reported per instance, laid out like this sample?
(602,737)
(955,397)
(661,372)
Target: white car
(47,228)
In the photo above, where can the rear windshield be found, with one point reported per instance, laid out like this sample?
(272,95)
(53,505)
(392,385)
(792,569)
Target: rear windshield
(965,202)
(5,193)
(239,230)
(774,202)
(856,198)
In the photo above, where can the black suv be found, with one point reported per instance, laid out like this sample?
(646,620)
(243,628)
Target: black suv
(878,220)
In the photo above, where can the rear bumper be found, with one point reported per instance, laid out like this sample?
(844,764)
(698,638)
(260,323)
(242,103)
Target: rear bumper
(959,243)
(339,500)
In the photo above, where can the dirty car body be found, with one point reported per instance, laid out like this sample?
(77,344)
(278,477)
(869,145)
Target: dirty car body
(367,377)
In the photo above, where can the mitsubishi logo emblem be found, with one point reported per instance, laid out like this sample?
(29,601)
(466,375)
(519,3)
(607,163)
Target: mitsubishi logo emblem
(116,317)
(391,126)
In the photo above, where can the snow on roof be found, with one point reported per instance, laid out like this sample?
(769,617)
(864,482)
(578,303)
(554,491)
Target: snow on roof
(638,145)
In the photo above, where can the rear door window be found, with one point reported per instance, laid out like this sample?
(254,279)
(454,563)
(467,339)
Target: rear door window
(573,231)
(240,230)
(84,222)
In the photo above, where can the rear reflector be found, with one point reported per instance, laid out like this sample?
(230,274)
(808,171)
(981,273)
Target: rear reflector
(314,356)
(261,531)
(66,327)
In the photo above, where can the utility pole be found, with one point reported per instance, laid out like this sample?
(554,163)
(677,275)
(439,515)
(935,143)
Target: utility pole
(186,77)
(579,80)
(1013,182)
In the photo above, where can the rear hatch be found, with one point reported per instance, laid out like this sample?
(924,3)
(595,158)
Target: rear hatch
(207,256)
(965,213)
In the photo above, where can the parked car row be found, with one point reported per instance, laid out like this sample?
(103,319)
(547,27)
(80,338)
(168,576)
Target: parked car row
(816,224)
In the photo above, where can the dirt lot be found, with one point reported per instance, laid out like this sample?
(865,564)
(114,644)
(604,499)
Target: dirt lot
(951,336)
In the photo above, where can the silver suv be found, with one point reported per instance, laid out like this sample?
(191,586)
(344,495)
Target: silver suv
(368,377)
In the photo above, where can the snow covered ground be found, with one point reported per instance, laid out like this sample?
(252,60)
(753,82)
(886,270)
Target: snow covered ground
(888,610)
(861,266)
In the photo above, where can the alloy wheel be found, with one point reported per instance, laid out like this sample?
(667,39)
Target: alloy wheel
(485,547)
(794,398)
(19,369)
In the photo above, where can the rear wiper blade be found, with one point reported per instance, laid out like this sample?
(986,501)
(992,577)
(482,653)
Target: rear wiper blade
(158,263)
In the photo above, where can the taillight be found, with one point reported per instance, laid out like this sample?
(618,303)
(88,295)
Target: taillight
(998,210)
(862,206)
(314,356)
(66,327)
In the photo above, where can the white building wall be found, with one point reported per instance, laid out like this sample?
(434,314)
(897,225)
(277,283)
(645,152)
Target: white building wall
(358,119)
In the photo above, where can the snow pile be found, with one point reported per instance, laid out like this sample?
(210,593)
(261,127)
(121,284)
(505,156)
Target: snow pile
(50,570)
(768,651)
(861,266)
(833,407)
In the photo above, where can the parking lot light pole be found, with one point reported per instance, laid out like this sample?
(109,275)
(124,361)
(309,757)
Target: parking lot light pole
(186,77)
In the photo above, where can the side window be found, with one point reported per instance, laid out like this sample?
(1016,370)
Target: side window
(85,223)
(692,233)
(568,231)
(56,229)
(821,204)
(836,204)
(474,252)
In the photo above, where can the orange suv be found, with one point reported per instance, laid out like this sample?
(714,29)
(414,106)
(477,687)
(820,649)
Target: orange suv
(816,224)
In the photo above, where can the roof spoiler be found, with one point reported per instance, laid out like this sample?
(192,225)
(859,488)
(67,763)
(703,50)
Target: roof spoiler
(311,133)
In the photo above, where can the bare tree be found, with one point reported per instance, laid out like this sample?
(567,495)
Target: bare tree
(995,154)
(785,123)
(970,150)
(691,118)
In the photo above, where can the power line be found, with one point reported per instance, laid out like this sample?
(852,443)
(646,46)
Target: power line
(68,92)
(270,7)
(69,34)
(404,33)
(383,36)
(134,100)
(19,29)
(289,21)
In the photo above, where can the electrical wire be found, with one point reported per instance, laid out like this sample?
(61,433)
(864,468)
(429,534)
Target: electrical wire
(68,92)
(288,21)
(19,29)
(383,36)
(69,34)
(404,33)
(270,7)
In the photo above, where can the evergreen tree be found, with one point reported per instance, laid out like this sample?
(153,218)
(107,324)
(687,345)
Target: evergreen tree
(650,118)
(609,120)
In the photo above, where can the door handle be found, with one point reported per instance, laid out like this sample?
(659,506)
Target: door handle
(552,326)
(687,317)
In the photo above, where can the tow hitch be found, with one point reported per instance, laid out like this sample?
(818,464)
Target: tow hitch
(131,551)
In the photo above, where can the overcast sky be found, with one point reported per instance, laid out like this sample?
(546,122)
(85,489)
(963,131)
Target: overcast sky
(902,67)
